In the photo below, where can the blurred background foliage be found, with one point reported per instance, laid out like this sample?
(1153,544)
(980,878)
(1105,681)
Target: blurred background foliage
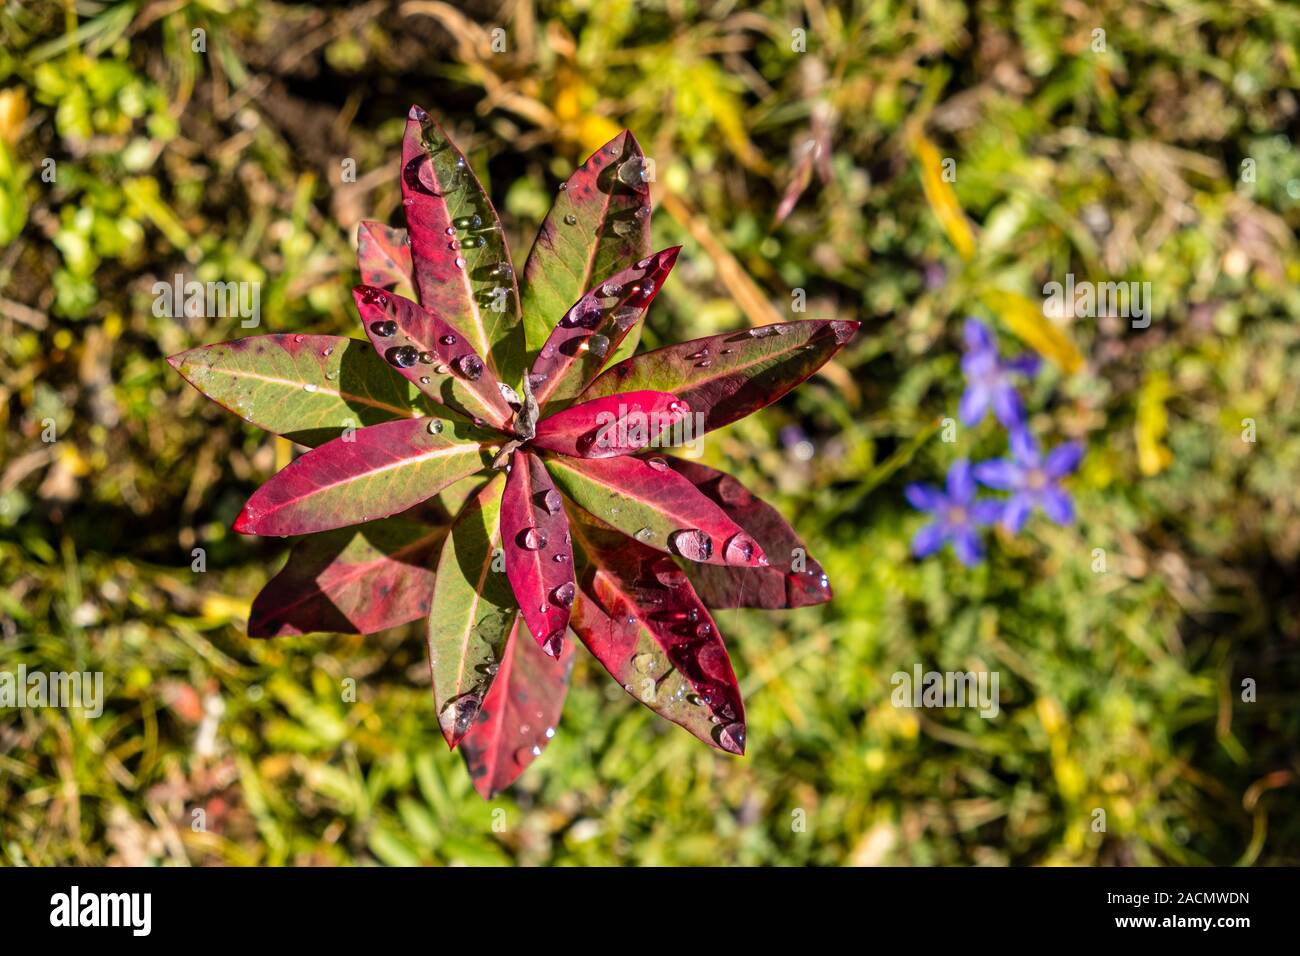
(799,152)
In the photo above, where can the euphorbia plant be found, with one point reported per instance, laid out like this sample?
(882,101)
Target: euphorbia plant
(500,405)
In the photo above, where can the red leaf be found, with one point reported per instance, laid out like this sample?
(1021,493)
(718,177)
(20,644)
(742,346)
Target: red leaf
(793,579)
(465,276)
(374,473)
(518,716)
(727,377)
(436,357)
(384,256)
(639,616)
(593,329)
(599,222)
(615,425)
(352,581)
(539,550)
(650,502)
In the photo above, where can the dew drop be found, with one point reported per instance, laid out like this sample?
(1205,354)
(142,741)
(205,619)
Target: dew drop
(426,358)
(563,186)
(551,501)
(705,364)
(309,387)
(765,331)
(563,595)
(458,713)
(632,172)
(473,242)
(560,557)
(434,426)
(554,644)
(644,534)
(658,464)
(571,219)
(644,662)
(451,231)
(739,549)
(692,544)
(403,356)
(598,345)
(448,340)
(534,539)
(467,222)
(442,369)
(327,351)
(732,737)
(385,329)
(299,338)
(586,314)
(705,630)
(625,317)
(470,366)
(424,380)
(460,263)
(699,354)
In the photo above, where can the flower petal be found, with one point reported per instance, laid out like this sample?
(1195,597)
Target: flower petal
(1063,459)
(974,403)
(1024,447)
(987,511)
(961,485)
(978,337)
(1056,504)
(999,473)
(966,545)
(1016,511)
(924,497)
(927,540)
(1007,407)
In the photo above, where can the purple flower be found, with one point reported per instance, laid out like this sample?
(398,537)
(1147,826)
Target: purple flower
(957,515)
(1033,480)
(988,379)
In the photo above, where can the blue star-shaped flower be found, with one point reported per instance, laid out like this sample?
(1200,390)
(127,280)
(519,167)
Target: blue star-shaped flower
(957,515)
(988,379)
(1033,480)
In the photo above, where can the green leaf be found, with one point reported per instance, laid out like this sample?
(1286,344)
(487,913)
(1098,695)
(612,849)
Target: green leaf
(466,276)
(471,615)
(308,388)
(598,225)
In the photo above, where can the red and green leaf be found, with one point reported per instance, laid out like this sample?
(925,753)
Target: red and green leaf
(599,222)
(639,616)
(384,257)
(374,473)
(792,579)
(615,425)
(538,550)
(463,270)
(727,377)
(351,581)
(472,613)
(594,327)
(428,352)
(648,501)
(519,715)
(308,388)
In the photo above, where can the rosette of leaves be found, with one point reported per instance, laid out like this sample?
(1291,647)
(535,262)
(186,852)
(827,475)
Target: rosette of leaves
(480,464)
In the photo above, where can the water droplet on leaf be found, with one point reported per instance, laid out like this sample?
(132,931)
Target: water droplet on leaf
(692,544)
